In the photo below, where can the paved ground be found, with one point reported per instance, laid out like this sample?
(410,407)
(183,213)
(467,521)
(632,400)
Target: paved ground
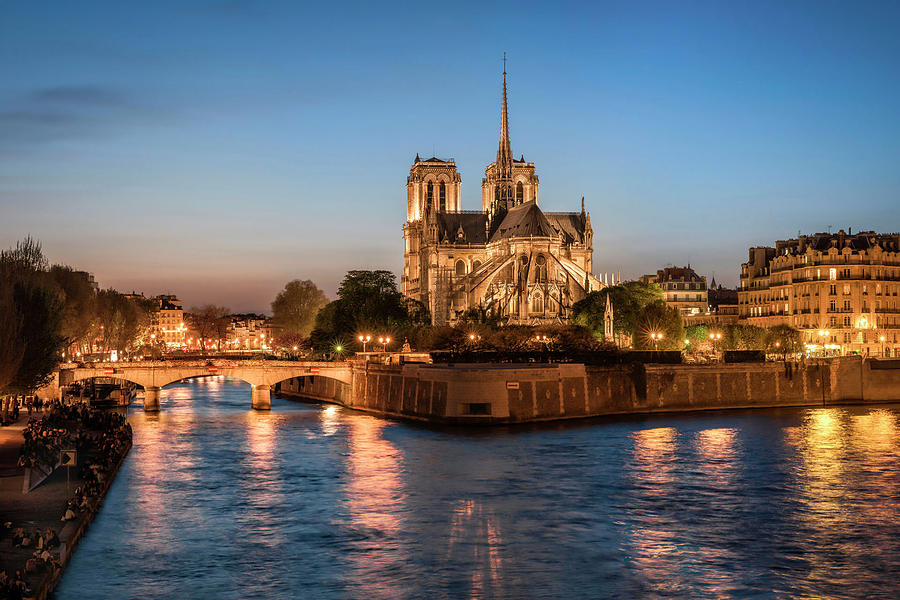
(43,507)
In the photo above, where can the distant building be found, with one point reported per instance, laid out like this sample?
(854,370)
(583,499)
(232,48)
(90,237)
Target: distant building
(248,331)
(509,258)
(167,321)
(684,289)
(841,290)
(723,307)
(89,278)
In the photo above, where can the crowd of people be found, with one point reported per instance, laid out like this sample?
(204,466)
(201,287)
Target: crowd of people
(101,438)
(13,587)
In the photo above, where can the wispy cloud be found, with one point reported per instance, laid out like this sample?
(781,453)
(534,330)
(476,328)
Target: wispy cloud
(65,112)
(83,95)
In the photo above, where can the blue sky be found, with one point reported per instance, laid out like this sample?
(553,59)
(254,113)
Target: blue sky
(217,150)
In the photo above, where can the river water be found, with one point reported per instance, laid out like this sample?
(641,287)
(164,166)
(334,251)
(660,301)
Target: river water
(314,501)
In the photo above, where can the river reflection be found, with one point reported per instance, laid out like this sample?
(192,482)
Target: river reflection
(373,496)
(313,501)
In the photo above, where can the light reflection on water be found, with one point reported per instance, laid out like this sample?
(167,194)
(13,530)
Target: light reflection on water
(311,501)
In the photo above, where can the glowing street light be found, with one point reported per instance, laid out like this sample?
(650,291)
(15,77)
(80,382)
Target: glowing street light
(384,341)
(823,333)
(364,339)
(881,339)
(656,337)
(715,337)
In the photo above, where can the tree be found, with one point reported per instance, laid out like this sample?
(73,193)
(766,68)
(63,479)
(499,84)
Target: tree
(121,323)
(290,342)
(79,305)
(11,352)
(658,318)
(697,337)
(30,314)
(783,339)
(743,337)
(210,322)
(295,307)
(628,300)
(368,302)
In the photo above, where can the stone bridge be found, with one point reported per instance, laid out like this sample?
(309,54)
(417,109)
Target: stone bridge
(154,375)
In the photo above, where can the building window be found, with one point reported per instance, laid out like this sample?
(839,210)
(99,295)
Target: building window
(553,304)
(429,195)
(832,274)
(537,303)
(541,269)
(460,267)
(832,289)
(846,321)
(442,203)
(520,193)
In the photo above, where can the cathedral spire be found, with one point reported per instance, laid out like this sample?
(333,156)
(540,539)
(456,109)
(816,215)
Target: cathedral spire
(504,152)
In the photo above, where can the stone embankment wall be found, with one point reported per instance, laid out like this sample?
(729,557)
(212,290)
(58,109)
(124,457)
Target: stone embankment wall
(492,393)
(858,380)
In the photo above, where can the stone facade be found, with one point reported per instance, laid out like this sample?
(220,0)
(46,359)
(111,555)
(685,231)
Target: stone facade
(685,290)
(509,259)
(167,321)
(493,394)
(842,291)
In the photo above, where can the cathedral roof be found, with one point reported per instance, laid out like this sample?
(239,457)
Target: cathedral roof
(528,220)
(570,224)
(525,220)
(470,224)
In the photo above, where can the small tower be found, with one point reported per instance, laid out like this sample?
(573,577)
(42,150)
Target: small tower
(608,320)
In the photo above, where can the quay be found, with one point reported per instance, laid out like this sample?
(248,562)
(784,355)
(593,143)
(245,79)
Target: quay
(525,393)
(410,387)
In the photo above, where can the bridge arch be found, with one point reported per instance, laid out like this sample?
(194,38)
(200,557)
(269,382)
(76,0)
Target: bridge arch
(262,376)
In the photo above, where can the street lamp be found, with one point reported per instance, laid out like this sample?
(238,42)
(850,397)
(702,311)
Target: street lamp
(365,339)
(881,339)
(715,337)
(384,341)
(656,337)
(823,333)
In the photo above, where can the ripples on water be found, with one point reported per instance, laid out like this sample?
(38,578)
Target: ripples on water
(313,501)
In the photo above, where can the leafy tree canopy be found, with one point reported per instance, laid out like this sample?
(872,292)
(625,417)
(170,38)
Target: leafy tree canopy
(368,302)
(657,318)
(628,300)
(31,310)
(295,307)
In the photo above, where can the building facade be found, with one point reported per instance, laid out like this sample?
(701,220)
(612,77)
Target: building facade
(685,290)
(509,259)
(167,321)
(248,332)
(841,290)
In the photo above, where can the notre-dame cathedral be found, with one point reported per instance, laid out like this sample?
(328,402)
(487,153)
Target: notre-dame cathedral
(510,258)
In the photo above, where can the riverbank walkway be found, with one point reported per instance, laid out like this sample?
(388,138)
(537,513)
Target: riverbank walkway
(43,507)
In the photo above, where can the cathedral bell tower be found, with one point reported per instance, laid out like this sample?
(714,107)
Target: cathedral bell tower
(433,187)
